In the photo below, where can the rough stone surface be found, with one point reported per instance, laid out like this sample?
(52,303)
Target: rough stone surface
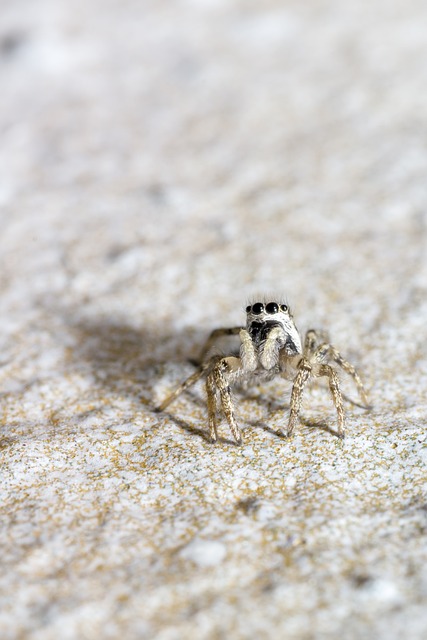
(160,163)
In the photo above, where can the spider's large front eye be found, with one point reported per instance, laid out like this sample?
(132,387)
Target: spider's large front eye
(257,308)
(272,307)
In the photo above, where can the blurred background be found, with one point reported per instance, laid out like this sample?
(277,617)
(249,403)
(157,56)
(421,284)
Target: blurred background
(203,150)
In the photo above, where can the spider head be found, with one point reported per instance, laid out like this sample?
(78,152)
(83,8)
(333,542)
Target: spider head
(262,317)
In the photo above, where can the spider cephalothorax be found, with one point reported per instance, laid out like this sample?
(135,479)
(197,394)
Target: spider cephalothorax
(270,346)
(272,319)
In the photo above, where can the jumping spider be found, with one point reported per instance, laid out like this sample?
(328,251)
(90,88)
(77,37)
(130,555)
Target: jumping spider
(270,346)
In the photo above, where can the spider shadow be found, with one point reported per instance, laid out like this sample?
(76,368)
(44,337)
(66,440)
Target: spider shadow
(128,362)
(307,422)
(356,403)
(274,407)
(185,426)
(202,433)
(321,425)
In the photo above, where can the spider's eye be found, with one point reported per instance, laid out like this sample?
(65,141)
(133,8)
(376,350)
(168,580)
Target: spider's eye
(257,308)
(284,307)
(248,308)
(272,307)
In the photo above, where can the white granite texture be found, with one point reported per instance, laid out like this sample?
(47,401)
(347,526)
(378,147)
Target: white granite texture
(160,163)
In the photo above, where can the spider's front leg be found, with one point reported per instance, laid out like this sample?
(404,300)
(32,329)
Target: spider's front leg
(334,386)
(306,369)
(301,379)
(218,382)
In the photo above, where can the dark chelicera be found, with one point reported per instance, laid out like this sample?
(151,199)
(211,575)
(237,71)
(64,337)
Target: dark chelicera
(259,330)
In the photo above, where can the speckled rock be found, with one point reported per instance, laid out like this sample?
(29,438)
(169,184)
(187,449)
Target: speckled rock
(162,163)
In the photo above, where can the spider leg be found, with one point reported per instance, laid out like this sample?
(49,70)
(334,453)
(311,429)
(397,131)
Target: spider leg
(301,379)
(211,391)
(305,371)
(186,384)
(326,351)
(214,336)
(313,338)
(334,386)
(218,380)
(348,368)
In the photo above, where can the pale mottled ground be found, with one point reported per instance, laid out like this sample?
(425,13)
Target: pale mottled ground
(160,163)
